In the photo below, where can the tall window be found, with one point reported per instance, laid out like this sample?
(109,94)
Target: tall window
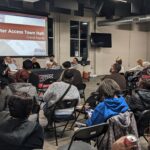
(50,36)
(78,39)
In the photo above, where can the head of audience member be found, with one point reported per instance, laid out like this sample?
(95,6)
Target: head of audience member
(140,62)
(20,105)
(48,64)
(115,68)
(68,76)
(66,64)
(75,60)
(108,89)
(34,60)
(8,60)
(51,58)
(27,64)
(119,61)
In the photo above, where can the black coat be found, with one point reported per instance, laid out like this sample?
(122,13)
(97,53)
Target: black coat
(18,134)
(139,101)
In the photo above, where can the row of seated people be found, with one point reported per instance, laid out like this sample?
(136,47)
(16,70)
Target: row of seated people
(109,93)
(111,105)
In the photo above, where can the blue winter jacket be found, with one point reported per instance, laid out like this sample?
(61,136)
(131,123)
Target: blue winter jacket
(106,109)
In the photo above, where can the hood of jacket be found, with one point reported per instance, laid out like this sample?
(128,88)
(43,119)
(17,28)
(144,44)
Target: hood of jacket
(117,104)
(23,87)
(14,131)
(122,120)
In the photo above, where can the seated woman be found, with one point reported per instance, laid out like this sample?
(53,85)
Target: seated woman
(112,103)
(16,131)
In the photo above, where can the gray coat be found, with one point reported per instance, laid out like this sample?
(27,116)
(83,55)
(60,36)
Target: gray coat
(119,125)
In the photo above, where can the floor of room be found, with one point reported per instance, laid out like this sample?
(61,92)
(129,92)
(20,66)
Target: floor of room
(49,142)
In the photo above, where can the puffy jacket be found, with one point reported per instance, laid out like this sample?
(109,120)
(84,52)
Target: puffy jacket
(140,100)
(18,134)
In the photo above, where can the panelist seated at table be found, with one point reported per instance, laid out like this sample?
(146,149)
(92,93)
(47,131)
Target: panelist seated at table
(35,64)
(11,63)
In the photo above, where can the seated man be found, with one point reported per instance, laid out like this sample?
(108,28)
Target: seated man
(140,98)
(77,78)
(116,76)
(112,103)
(16,131)
(55,92)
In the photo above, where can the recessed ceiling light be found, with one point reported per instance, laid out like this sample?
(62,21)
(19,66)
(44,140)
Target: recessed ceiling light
(32,1)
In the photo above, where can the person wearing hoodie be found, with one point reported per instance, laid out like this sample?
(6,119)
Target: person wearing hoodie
(16,131)
(140,98)
(112,103)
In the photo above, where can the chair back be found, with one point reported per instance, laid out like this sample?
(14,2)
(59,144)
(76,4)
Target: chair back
(143,122)
(66,103)
(89,133)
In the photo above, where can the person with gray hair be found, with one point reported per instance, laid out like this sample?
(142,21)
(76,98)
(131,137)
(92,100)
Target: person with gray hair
(112,103)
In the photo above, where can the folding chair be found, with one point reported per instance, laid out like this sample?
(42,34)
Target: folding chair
(143,124)
(86,134)
(59,116)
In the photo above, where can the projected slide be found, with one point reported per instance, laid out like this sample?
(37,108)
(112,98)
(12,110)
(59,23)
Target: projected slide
(22,35)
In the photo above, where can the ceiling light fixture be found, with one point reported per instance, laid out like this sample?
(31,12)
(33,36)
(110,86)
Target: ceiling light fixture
(123,1)
(32,1)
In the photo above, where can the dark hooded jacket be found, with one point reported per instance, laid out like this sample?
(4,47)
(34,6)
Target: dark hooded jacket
(140,100)
(16,134)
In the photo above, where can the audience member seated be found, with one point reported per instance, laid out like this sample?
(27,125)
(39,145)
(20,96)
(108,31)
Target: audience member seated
(112,103)
(140,65)
(55,92)
(5,92)
(16,131)
(11,64)
(119,61)
(77,78)
(35,64)
(25,74)
(140,98)
(116,76)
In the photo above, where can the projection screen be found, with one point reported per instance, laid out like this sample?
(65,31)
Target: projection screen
(23,35)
